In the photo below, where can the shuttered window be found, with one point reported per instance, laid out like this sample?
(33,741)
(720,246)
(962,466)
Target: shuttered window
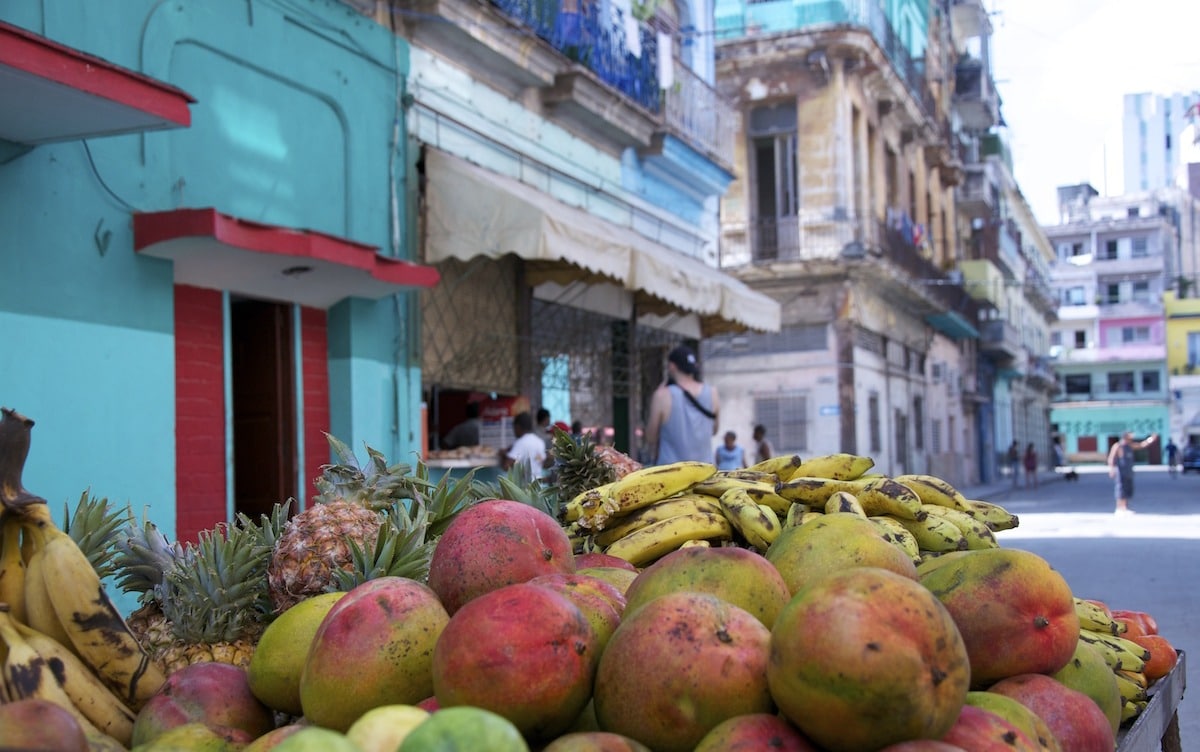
(785,417)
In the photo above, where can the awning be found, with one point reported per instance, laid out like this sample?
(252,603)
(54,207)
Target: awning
(220,252)
(475,212)
(52,92)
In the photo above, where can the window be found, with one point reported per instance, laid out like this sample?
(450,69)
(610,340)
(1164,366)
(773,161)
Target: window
(1151,381)
(1080,339)
(1131,212)
(873,422)
(935,435)
(1120,382)
(786,419)
(1074,296)
(1077,383)
(1112,294)
(773,146)
(918,423)
(1140,249)
(1133,334)
(1056,339)
(1110,250)
(1193,342)
(1141,291)
(1077,249)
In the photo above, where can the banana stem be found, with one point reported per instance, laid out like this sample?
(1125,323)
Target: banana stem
(15,431)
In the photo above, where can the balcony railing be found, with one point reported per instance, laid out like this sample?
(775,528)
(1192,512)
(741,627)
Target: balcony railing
(595,39)
(700,115)
(902,253)
(995,242)
(999,339)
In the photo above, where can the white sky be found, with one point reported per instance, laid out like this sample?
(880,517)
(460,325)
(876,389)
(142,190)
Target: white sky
(1062,68)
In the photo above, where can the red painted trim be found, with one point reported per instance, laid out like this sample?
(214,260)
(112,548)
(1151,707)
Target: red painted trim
(25,51)
(200,486)
(158,227)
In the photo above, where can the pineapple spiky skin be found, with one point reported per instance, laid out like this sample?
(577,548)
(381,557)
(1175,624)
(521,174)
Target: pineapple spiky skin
(314,545)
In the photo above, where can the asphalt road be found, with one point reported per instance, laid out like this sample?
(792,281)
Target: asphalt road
(1148,561)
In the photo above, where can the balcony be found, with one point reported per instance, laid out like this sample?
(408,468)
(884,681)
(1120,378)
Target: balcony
(978,196)
(1129,266)
(1039,293)
(999,340)
(984,281)
(1040,373)
(975,97)
(1129,309)
(953,310)
(997,242)
(702,118)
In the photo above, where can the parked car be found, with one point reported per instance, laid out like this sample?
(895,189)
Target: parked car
(1191,458)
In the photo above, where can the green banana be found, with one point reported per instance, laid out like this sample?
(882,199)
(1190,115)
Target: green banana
(934,534)
(994,516)
(1117,652)
(931,489)
(654,541)
(839,466)
(757,523)
(1095,619)
(1131,690)
(977,534)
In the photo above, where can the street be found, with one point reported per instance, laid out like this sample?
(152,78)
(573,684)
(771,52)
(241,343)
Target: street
(1148,561)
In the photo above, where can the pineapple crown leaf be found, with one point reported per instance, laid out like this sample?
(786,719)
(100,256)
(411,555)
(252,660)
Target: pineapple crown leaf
(95,526)
(373,485)
(519,484)
(143,555)
(400,549)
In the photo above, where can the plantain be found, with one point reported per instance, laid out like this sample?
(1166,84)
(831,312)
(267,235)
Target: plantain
(96,630)
(996,517)
(644,487)
(1095,619)
(762,491)
(934,534)
(757,523)
(931,489)
(618,527)
(899,536)
(844,501)
(977,534)
(881,496)
(782,466)
(810,491)
(652,542)
(839,466)
(12,566)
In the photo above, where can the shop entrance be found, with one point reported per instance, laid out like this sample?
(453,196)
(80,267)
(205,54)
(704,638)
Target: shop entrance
(264,405)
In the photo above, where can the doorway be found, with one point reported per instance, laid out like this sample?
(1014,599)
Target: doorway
(264,405)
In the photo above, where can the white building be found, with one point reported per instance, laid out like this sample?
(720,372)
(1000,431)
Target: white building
(1151,137)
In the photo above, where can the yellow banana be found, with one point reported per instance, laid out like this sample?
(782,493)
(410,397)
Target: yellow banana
(39,608)
(87,693)
(977,534)
(1095,619)
(754,476)
(696,543)
(798,514)
(96,630)
(618,527)
(652,542)
(812,492)
(840,466)
(1131,709)
(1137,677)
(762,491)
(1117,652)
(644,487)
(575,509)
(27,674)
(931,489)
(757,523)
(1130,689)
(899,536)
(844,501)
(886,496)
(934,534)
(994,516)
(782,466)
(12,566)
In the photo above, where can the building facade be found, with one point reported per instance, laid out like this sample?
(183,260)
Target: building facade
(1115,261)
(1153,147)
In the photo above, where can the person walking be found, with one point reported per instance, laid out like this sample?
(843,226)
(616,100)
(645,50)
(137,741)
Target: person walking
(1120,469)
(1031,465)
(762,445)
(729,456)
(1172,456)
(1014,462)
(683,413)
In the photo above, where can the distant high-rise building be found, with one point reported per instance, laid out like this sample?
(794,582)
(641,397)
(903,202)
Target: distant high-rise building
(1151,130)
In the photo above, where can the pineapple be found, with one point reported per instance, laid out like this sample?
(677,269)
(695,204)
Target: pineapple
(584,465)
(201,602)
(94,527)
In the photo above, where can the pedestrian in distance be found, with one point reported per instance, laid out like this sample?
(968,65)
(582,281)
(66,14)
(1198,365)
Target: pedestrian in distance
(1014,462)
(683,413)
(729,456)
(1031,465)
(1120,468)
(762,445)
(1172,456)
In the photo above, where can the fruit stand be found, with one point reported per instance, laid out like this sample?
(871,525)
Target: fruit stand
(1158,725)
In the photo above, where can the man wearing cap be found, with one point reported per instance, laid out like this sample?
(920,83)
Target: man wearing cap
(683,413)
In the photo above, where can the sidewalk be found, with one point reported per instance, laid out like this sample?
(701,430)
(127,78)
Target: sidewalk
(1001,488)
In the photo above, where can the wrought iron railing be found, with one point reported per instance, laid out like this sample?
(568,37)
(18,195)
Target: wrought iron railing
(701,115)
(899,249)
(599,40)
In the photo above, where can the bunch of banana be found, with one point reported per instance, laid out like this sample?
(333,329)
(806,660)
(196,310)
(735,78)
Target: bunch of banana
(1126,658)
(647,544)
(760,488)
(72,625)
(757,523)
(591,509)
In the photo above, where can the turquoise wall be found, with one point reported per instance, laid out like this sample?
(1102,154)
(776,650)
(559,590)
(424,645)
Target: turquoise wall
(1103,421)
(295,124)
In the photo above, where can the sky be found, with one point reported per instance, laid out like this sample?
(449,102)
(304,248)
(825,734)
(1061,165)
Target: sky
(1062,68)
